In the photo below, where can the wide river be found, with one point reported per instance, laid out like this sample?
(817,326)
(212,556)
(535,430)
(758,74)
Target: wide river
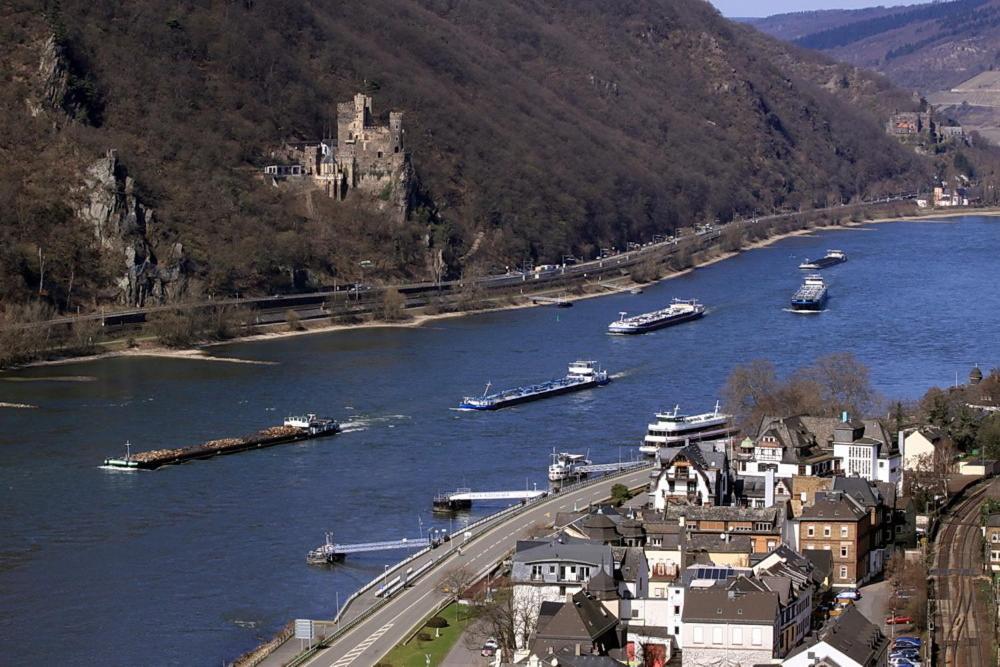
(192,565)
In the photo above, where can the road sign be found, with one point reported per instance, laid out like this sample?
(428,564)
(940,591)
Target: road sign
(304,629)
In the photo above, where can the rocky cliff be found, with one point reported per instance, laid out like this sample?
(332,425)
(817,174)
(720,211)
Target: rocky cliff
(122,226)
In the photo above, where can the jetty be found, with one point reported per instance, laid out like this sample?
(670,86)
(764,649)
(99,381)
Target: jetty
(331,552)
(461,499)
(294,429)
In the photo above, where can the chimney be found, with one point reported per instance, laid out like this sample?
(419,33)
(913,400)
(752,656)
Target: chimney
(769,488)
(576,649)
(844,417)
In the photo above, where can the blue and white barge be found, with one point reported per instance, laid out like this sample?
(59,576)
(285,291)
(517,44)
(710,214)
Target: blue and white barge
(581,375)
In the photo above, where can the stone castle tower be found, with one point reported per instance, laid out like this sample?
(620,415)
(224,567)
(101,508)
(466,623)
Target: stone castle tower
(368,157)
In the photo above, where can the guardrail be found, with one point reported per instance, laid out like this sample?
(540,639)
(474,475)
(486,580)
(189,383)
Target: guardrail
(346,627)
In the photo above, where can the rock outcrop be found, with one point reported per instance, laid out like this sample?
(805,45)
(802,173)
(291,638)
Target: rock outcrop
(123,226)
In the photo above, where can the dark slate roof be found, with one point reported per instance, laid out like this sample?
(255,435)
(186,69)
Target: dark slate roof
(580,552)
(829,507)
(822,561)
(718,605)
(858,488)
(713,543)
(993,521)
(662,527)
(851,634)
(630,562)
(601,584)
(721,513)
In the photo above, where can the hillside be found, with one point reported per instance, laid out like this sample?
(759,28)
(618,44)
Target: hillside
(925,47)
(536,129)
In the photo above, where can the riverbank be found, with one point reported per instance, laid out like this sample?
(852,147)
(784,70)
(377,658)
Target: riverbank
(418,317)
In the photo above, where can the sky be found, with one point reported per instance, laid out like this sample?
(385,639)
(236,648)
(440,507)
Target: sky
(768,7)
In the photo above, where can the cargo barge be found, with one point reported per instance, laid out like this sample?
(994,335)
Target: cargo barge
(581,375)
(294,429)
(833,257)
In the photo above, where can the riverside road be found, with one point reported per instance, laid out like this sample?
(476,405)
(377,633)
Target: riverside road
(372,638)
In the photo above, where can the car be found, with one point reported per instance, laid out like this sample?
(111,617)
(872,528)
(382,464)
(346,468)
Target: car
(850,594)
(903,662)
(904,652)
(915,642)
(490,647)
(898,620)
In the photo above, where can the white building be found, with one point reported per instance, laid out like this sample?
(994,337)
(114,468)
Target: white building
(726,627)
(695,474)
(865,450)
(846,641)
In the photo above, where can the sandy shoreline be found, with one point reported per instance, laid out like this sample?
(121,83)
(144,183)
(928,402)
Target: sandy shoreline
(200,353)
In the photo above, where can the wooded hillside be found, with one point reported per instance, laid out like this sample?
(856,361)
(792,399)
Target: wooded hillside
(537,129)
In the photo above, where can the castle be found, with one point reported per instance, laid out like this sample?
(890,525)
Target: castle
(366,157)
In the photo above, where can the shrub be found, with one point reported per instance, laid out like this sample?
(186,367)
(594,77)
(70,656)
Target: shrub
(437,622)
(294,321)
(424,637)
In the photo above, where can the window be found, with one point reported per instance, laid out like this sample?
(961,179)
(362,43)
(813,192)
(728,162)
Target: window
(826,531)
(635,613)
(843,551)
(737,636)
(677,610)
(380,154)
(536,571)
(699,635)
(811,531)
(770,544)
(843,531)
(843,572)
(995,537)
(756,637)
(716,635)
(552,569)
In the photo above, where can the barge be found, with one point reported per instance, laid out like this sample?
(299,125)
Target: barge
(812,296)
(294,429)
(581,375)
(833,257)
(680,310)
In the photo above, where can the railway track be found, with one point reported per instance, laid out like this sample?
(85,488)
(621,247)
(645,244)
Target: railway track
(956,572)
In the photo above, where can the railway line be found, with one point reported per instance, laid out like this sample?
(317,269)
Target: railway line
(957,569)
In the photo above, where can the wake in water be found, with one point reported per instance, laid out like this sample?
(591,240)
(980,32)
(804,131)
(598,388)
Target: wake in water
(805,312)
(52,378)
(20,406)
(363,423)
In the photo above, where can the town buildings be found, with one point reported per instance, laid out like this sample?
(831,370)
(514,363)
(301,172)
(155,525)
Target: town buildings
(694,474)
(991,532)
(837,523)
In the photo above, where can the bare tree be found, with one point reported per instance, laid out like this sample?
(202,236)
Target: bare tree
(509,618)
(456,581)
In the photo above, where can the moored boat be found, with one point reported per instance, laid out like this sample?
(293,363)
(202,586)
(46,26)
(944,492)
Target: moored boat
(673,429)
(566,466)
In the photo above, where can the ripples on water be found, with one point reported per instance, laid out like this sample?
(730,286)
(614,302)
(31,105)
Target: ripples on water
(193,564)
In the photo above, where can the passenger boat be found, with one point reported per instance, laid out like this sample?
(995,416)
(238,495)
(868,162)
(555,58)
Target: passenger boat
(673,429)
(581,375)
(566,466)
(678,311)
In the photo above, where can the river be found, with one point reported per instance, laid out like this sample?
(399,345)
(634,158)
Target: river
(192,565)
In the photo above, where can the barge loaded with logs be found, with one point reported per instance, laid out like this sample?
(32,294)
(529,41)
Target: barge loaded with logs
(294,429)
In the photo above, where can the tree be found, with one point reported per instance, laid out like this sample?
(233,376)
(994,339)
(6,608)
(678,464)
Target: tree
(988,437)
(456,581)
(844,384)
(509,618)
(620,494)
(750,391)
(393,305)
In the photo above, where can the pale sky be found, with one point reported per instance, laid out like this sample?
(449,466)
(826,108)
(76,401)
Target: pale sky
(768,7)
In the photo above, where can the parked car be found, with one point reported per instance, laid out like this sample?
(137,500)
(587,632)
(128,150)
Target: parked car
(909,654)
(850,594)
(903,662)
(915,642)
(898,620)
(490,648)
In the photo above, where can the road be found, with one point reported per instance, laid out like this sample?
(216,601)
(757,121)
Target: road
(369,641)
(324,303)
(958,560)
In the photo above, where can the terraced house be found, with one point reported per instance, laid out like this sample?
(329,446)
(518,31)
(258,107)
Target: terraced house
(837,523)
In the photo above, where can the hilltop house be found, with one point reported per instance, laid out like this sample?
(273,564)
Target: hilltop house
(697,473)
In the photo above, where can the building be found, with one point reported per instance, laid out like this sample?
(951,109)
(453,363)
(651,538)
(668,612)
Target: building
(837,523)
(367,157)
(729,627)
(848,640)
(794,578)
(694,474)
(549,571)
(923,449)
(786,446)
(910,123)
(991,531)
(580,625)
(864,449)
(766,527)
(604,523)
